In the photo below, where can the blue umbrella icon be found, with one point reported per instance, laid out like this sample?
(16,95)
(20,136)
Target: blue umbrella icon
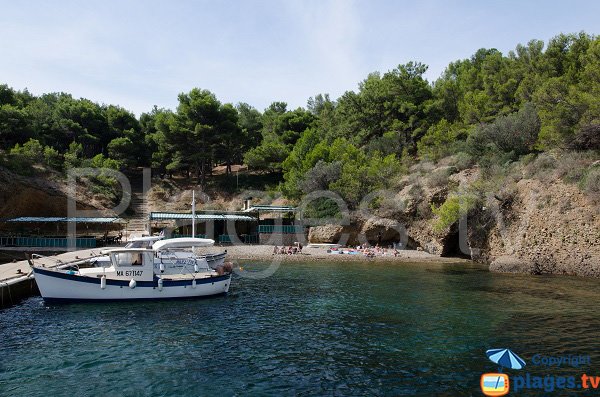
(505,358)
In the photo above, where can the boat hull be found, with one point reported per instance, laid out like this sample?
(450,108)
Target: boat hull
(56,286)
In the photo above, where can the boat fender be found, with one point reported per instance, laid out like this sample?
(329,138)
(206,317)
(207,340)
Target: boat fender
(194,283)
(196,267)
(103,282)
(132,284)
(160,284)
(162,267)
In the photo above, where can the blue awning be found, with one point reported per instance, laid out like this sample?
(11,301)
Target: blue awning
(55,219)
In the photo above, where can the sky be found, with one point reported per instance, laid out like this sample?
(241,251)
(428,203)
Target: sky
(138,54)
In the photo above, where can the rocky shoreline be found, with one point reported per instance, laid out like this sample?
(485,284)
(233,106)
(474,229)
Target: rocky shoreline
(237,253)
(536,227)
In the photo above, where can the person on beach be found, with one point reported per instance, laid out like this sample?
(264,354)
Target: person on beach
(275,250)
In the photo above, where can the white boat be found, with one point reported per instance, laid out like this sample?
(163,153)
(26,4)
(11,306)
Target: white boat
(133,274)
(176,247)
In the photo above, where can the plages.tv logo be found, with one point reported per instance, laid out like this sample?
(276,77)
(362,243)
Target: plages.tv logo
(497,383)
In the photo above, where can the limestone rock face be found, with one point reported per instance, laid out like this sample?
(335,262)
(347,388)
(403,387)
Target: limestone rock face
(328,234)
(549,228)
(542,227)
(26,196)
(387,230)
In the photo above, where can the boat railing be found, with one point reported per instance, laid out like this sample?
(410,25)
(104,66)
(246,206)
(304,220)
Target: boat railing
(188,262)
(74,265)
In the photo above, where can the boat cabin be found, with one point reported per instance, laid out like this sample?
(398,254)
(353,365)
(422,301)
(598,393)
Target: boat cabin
(133,263)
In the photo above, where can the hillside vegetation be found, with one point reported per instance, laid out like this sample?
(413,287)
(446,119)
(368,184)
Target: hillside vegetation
(531,114)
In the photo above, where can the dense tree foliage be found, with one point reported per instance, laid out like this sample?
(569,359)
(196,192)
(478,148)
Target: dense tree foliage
(281,129)
(538,97)
(201,132)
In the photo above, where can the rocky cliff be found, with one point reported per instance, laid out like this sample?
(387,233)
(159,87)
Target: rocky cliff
(548,228)
(537,226)
(39,196)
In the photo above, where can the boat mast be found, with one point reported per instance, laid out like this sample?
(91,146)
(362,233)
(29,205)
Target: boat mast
(193,213)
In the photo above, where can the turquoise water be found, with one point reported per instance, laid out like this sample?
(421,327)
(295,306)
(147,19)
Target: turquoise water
(310,329)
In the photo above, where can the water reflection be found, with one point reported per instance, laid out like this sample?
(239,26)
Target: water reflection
(341,328)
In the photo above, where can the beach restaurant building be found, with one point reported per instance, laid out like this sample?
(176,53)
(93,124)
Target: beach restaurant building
(260,224)
(57,232)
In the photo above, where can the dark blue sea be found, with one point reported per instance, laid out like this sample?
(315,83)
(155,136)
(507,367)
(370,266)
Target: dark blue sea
(311,329)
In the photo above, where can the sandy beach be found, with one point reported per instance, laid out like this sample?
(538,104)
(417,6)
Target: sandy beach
(265,253)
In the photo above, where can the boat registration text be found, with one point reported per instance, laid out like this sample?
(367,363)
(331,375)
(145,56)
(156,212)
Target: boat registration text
(130,273)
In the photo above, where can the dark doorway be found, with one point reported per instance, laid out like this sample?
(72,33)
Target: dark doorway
(451,246)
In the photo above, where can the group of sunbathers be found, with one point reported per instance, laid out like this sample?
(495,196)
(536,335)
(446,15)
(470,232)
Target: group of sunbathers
(289,250)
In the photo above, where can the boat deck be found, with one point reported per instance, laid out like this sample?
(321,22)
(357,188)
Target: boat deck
(13,270)
(16,278)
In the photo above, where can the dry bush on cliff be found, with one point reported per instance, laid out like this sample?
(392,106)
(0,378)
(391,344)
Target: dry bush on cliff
(439,178)
(591,183)
(542,167)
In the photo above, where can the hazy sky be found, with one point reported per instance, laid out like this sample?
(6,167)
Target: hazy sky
(138,54)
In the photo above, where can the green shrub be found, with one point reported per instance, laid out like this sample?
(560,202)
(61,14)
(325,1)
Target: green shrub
(99,161)
(322,208)
(320,176)
(73,155)
(462,161)
(363,174)
(52,158)
(19,164)
(495,164)
(22,158)
(124,151)
(30,150)
(269,156)
(452,210)
(439,140)
(515,133)
(528,158)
